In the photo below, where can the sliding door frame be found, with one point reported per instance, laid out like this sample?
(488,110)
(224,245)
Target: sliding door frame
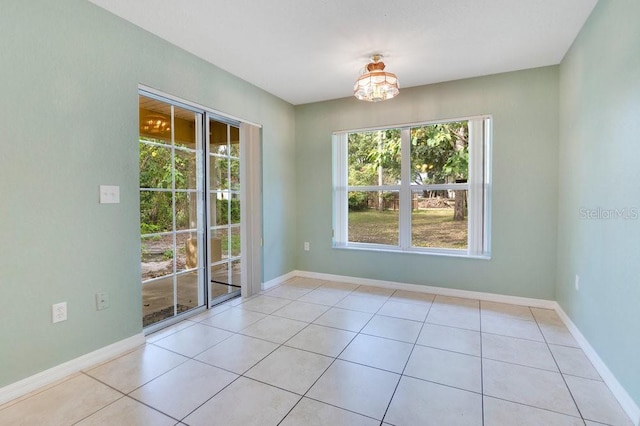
(251,201)
(250,196)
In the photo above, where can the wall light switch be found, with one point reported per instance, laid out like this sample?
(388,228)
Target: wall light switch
(109,194)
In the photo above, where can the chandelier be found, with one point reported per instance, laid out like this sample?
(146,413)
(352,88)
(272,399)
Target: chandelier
(155,124)
(375,84)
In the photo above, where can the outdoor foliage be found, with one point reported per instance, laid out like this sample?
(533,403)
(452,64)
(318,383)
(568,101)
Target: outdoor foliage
(439,154)
(156,207)
(371,151)
(223,211)
(225,173)
(155,173)
(358,201)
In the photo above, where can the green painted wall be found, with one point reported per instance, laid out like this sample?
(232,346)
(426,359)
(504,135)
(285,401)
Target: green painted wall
(69,75)
(599,168)
(524,106)
(68,78)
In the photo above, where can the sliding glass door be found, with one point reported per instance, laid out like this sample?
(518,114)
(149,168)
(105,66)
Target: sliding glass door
(191,167)
(171,209)
(224,255)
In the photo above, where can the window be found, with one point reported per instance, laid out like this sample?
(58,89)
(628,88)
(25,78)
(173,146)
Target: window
(417,188)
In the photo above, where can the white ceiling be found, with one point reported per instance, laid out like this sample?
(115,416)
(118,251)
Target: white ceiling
(312,50)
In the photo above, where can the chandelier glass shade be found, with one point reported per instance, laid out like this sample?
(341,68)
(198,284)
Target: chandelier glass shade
(155,124)
(375,84)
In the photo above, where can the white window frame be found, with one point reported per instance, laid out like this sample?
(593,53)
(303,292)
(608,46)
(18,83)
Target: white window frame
(478,186)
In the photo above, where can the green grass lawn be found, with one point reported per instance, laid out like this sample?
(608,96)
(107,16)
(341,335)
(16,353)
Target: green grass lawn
(430,228)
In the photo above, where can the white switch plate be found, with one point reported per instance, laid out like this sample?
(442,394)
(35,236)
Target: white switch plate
(59,312)
(109,194)
(306,246)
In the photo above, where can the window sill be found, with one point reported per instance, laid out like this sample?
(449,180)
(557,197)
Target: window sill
(423,252)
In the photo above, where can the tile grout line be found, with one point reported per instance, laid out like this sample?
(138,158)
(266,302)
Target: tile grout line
(324,371)
(359,332)
(530,367)
(188,359)
(100,409)
(153,408)
(559,369)
(209,399)
(539,408)
(128,394)
(283,344)
(333,361)
(233,333)
(196,360)
(393,394)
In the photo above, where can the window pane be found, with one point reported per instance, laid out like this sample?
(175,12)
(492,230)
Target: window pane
(156,214)
(236,271)
(373,217)
(235,142)
(439,219)
(155,166)
(218,173)
(219,245)
(219,275)
(185,173)
(186,210)
(184,131)
(185,244)
(155,120)
(156,256)
(157,300)
(218,138)
(188,250)
(440,153)
(235,208)
(374,158)
(235,241)
(219,208)
(234,165)
(187,291)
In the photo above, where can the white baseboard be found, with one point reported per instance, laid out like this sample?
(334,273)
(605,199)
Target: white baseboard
(54,374)
(440,291)
(625,400)
(279,280)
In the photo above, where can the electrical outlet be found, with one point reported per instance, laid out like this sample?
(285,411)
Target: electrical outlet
(59,312)
(306,246)
(577,282)
(102,301)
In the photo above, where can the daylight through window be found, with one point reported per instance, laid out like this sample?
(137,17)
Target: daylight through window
(420,188)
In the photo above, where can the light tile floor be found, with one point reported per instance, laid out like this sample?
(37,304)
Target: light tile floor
(313,352)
